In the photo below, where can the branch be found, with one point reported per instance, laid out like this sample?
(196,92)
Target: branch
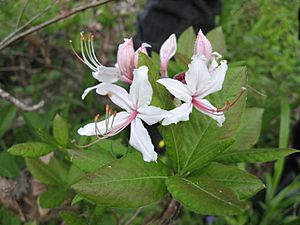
(5,95)
(168,214)
(11,35)
(52,21)
(133,216)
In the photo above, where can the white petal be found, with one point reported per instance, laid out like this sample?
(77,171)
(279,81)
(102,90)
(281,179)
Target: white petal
(218,116)
(141,141)
(217,79)
(102,127)
(197,76)
(86,91)
(107,74)
(140,89)
(214,63)
(177,89)
(178,114)
(152,114)
(118,95)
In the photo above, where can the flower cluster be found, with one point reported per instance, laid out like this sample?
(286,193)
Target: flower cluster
(203,77)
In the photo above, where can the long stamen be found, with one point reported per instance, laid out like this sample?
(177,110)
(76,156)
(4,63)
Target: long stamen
(106,118)
(97,131)
(88,52)
(93,50)
(83,40)
(70,41)
(113,119)
(230,104)
(219,112)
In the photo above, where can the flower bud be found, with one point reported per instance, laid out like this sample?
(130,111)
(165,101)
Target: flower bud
(125,60)
(203,46)
(167,51)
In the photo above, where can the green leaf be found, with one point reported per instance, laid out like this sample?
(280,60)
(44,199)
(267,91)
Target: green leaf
(53,197)
(7,115)
(43,172)
(97,217)
(193,143)
(113,146)
(45,137)
(241,182)
(186,43)
(90,161)
(74,175)
(182,60)
(60,131)
(8,165)
(7,217)
(60,168)
(249,129)
(71,218)
(204,196)
(160,94)
(76,199)
(217,40)
(31,149)
(128,182)
(254,155)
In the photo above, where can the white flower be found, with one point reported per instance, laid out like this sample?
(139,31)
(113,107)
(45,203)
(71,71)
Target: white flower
(127,60)
(199,83)
(136,109)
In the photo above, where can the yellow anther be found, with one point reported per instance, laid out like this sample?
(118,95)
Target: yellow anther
(82,36)
(161,144)
(96,119)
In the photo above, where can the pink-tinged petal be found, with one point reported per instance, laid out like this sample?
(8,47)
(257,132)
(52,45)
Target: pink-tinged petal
(106,74)
(197,77)
(167,51)
(125,59)
(103,128)
(152,115)
(217,79)
(177,89)
(203,46)
(178,114)
(143,49)
(140,89)
(117,95)
(208,109)
(141,141)
(88,90)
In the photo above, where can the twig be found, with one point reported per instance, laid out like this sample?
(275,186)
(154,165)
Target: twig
(11,35)
(168,214)
(22,13)
(5,95)
(53,20)
(133,216)
(116,216)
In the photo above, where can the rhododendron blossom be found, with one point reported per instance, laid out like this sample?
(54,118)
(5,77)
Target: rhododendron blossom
(167,51)
(202,47)
(136,109)
(127,60)
(199,84)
